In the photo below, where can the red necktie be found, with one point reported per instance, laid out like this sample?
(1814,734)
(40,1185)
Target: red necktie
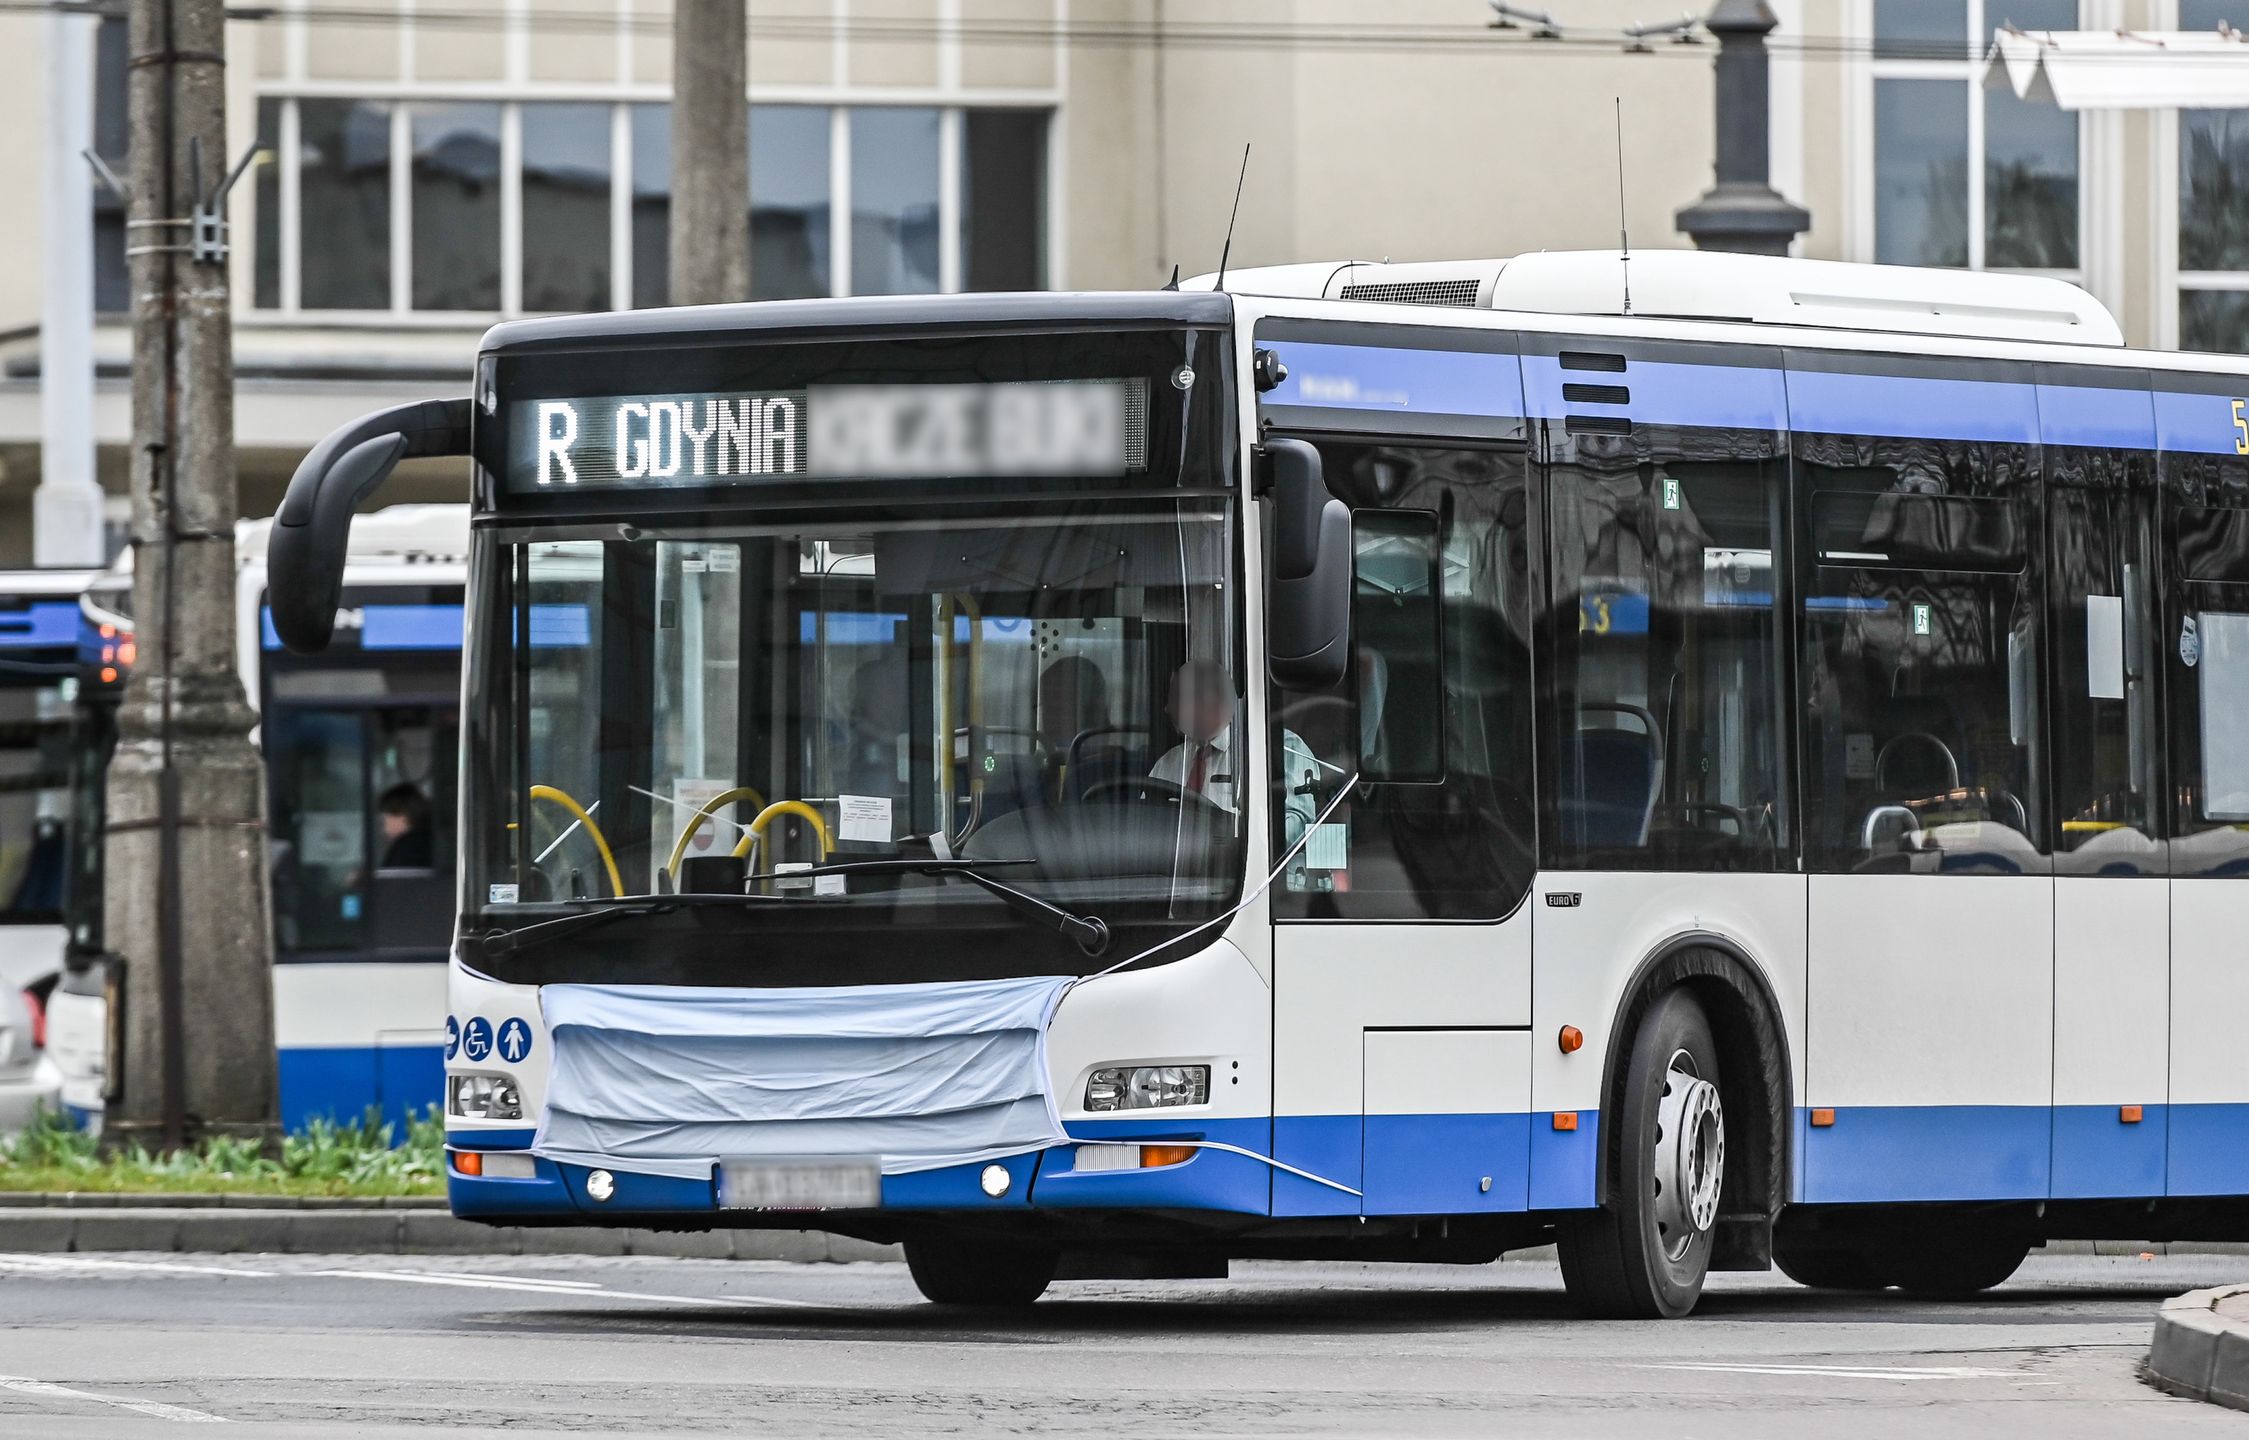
(1200,770)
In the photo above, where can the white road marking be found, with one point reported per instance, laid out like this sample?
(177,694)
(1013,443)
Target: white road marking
(1852,1372)
(513,1279)
(34,1264)
(523,1287)
(155,1408)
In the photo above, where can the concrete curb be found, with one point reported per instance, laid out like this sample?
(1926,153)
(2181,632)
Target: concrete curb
(2200,1353)
(78,1224)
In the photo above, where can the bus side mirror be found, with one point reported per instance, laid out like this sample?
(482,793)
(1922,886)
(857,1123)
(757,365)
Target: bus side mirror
(312,531)
(1308,594)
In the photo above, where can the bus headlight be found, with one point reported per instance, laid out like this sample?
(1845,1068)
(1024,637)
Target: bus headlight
(483,1097)
(1147,1087)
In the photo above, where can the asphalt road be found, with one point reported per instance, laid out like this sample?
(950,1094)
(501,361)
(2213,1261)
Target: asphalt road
(128,1346)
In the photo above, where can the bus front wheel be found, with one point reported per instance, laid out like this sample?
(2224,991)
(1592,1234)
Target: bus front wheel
(989,1274)
(1644,1254)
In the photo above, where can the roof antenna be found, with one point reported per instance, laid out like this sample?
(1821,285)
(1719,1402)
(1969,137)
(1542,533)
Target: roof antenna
(1228,248)
(1623,234)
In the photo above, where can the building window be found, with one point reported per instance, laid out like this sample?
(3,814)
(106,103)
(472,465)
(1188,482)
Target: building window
(2213,207)
(1964,175)
(936,199)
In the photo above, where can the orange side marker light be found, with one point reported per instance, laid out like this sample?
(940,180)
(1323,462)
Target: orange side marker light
(1571,1039)
(1154,1155)
(2128,1114)
(1565,1119)
(469,1162)
(1823,1118)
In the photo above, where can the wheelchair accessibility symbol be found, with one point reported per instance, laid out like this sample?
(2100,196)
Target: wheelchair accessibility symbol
(476,1038)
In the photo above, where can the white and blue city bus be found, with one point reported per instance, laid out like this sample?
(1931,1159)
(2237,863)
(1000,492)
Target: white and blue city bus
(359,746)
(59,686)
(1397,762)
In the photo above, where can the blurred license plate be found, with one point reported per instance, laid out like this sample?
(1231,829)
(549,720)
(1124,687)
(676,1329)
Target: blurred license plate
(799,1184)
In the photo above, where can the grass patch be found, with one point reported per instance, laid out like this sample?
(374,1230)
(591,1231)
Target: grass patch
(364,1159)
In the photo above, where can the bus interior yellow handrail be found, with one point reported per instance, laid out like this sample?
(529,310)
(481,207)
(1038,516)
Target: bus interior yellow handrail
(709,808)
(756,830)
(600,841)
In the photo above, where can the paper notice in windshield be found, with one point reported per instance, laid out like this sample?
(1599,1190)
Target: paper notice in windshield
(718,832)
(863,817)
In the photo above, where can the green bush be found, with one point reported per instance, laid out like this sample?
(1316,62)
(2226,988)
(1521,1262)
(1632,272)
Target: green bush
(362,1158)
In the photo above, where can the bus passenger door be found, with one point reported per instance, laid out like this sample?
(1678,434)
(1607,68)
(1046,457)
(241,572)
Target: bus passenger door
(2112,965)
(1401,971)
(1930,966)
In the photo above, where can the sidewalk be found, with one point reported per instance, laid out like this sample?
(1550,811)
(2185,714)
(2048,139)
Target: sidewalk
(238,1224)
(2201,1346)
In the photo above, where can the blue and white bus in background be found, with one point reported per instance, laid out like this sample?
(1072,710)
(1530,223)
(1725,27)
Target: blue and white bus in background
(1383,761)
(360,745)
(60,681)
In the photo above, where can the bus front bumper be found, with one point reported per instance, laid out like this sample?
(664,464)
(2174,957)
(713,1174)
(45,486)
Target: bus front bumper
(1202,1166)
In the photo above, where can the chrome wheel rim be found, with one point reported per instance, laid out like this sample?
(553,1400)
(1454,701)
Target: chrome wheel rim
(1690,1157)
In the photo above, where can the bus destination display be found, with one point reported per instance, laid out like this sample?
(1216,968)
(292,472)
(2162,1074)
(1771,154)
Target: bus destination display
(1059,428)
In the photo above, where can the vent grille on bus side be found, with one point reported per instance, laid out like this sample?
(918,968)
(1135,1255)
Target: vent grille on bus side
(1597,394)
(1592,360)
(1596,425)
(1415,292)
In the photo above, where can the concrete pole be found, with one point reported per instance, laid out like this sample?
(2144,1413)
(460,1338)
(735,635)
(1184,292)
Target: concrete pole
(1742,211)
(66,509)
(185,889)
(710,242)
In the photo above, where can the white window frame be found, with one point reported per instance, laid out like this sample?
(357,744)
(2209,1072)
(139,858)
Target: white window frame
(949,97)
(2100,253)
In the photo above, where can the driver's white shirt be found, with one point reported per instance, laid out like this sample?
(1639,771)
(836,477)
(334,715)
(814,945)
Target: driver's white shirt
(1218,771)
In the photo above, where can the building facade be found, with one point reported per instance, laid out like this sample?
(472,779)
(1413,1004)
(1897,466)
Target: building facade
(426,168)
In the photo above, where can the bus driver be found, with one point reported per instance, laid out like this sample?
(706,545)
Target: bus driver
(1202,763)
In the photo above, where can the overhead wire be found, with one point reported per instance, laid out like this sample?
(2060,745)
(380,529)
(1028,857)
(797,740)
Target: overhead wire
(1300,36)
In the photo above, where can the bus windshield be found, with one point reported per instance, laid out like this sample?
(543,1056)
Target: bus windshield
(855,714)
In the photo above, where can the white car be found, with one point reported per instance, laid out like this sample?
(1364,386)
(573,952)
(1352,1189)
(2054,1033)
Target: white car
(29,1081)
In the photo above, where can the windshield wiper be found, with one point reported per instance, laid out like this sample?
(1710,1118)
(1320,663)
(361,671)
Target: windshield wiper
(523,937)
(1090,931)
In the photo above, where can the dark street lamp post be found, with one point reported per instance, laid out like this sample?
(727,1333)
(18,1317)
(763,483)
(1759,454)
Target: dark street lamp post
(1742,212)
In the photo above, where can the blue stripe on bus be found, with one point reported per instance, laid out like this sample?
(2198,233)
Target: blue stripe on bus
(2097,1156)
(1211,1180)
(1912,407)
(1565,1164)
(2090,416)
(341,1082)
(1380,378)
(39,624)
(1929,1152)
(2209,1150)
(390,627)
(2199,424)
(1664,393)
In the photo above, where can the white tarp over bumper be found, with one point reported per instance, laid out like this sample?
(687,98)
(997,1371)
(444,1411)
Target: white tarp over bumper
(667,1079)
(2124,69)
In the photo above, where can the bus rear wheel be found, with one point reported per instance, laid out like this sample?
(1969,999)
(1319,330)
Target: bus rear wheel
(1827,1267)
(988,1274)
(1645,1253)
(1955,1265)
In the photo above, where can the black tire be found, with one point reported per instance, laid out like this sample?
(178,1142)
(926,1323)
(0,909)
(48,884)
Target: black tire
(1616,1262)
(1954,1265)
(989,1274)
(1829,1267)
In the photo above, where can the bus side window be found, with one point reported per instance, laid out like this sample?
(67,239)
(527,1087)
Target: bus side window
(1433,715)
(1920,655)
(2100,582)
(1666,727)
(2204,644)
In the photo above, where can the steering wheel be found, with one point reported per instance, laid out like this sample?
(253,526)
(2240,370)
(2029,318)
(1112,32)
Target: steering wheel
(1153,785)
